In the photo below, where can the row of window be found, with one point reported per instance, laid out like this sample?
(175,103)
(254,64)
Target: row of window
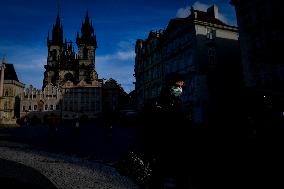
(153,73)
(177,64)
(37,108)
(91,95)
(66,102)
(41,96)
(167,50)
(86,90)
(8,92)
(83,107)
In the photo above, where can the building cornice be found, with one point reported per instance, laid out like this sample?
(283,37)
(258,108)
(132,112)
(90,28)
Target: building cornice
(19,84)
(224,27)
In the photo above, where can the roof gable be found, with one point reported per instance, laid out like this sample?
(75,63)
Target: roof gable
(10,73)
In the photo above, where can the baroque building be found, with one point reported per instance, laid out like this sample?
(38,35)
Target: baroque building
(36,102)
(202,48)
(10,90)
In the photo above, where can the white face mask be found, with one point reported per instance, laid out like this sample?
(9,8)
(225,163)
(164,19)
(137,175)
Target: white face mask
(176,91)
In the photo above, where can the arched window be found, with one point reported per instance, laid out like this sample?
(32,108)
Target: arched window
(68,77)
(40,105)
(6,106)
(54,55)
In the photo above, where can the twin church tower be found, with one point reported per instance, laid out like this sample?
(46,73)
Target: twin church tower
(63,64)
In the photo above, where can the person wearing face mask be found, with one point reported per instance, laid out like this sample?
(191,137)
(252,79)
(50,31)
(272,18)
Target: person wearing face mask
(168,135)
(176,90)
(161,138)
(170,96)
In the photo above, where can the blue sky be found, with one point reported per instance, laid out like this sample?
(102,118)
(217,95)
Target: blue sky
(24,25)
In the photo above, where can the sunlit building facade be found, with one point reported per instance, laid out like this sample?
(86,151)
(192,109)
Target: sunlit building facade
(10,90)
(37,102)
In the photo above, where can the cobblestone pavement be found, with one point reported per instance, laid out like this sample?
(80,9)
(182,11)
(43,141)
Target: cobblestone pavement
(65,171)
(92,142)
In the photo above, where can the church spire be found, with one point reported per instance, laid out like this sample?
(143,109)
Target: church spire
(58,19)
(87,17)
(57,31)
(87,32)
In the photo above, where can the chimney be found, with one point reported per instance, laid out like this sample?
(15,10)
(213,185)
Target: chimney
(213,11)
(2,76)
(193,13)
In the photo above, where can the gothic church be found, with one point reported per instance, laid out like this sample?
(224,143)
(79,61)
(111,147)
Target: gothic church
(63,64)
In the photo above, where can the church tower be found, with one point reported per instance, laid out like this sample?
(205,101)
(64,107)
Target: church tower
(55,49)
(63,64)
(87,45)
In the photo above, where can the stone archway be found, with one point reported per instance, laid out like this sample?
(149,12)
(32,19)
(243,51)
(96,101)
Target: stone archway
(40,105)
(69,77)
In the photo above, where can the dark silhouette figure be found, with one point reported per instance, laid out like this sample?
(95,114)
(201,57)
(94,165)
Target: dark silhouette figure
(163,134)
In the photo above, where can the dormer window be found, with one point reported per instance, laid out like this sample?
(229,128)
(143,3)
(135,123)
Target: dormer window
(210,33)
